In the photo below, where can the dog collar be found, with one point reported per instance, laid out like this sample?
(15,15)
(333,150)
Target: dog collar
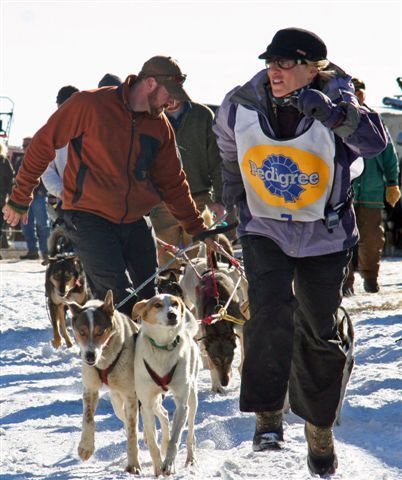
(169,346)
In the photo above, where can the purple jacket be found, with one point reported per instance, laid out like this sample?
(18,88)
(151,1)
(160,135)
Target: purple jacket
(365,138)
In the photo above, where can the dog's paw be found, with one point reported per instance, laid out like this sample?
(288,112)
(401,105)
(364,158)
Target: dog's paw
(56,342)
(158,469)
(85,451)
(133,469)
(190,460)
(69,343)
(168,467)
(218,389)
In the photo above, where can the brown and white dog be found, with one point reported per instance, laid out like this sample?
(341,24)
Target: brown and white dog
(65,281)
(166,359)
(106,339)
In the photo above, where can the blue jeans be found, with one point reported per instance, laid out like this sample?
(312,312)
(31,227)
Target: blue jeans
(37,227)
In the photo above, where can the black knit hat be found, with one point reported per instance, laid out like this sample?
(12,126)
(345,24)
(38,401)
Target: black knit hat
(110,80)
(296,43)
(64,93)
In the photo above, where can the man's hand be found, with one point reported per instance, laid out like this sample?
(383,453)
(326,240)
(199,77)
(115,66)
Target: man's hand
(12,217)
(218,209)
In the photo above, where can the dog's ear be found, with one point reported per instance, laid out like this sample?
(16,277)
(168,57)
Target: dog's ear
(108,306)
(75,309)
(138,309)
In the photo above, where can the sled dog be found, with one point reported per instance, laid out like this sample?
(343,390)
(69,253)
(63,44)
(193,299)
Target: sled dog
(64,281)
(166,359)
(218,339)
(106,339)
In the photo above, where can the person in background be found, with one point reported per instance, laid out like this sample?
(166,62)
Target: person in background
(378,181)
(110,80)
(36,229)
(6,183)
(121,162)
(52,177)
(192,123)
(280,136)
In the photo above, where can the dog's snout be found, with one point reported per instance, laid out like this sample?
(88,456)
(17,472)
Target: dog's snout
(172,318)
(90,357)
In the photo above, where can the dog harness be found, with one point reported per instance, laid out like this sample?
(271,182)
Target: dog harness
(161,381)
(103,373)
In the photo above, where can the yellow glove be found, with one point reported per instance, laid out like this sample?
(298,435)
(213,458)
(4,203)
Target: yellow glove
(392,194)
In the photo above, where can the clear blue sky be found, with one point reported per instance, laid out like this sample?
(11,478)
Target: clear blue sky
(46,45)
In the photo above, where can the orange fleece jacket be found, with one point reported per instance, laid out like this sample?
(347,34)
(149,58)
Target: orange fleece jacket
(120,164)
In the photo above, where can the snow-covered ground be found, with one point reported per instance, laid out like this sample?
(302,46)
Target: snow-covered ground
(41,401)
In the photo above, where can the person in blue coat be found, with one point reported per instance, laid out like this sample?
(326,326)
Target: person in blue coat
(288,138)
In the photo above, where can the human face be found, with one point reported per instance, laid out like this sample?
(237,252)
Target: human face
(284,81)
(158,100)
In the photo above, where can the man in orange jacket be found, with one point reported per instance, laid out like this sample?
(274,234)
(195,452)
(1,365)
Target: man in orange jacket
(122,161)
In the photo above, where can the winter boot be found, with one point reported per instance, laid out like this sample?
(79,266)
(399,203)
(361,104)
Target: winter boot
(30,256)
(268,431)
(321,458)
(45,260)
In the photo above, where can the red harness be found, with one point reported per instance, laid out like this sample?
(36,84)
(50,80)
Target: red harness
(163,382)
(103,373)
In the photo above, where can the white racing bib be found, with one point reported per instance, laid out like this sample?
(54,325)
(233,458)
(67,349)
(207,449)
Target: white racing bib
(289,180)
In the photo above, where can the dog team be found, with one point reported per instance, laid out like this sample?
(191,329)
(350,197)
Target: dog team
(155,351)
(289,139)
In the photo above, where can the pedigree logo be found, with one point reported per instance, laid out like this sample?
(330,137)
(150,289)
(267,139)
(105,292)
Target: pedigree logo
(285,176)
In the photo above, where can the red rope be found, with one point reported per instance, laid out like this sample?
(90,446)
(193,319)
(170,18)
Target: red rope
(208,320)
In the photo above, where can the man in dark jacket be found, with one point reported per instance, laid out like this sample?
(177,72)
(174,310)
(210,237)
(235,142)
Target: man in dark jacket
(378,181)
(36,230)
(122,162)
(192,123)
(6,183)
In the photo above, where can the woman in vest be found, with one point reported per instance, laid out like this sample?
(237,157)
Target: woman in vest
(288,138)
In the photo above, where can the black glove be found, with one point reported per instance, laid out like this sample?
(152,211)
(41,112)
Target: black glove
(315,104)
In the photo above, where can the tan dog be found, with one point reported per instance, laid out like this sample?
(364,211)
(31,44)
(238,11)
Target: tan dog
(166,359)
(106,340)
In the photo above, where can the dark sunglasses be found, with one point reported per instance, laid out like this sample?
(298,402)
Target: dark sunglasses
(284,63)
(179,79)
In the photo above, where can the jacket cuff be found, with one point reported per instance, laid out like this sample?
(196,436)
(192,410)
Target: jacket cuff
(21,209)
(351,121)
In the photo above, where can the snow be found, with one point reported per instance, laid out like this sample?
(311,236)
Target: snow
(41,403)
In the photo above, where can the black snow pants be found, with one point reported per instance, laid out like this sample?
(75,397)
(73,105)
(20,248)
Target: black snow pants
(114,256)
(292,336)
